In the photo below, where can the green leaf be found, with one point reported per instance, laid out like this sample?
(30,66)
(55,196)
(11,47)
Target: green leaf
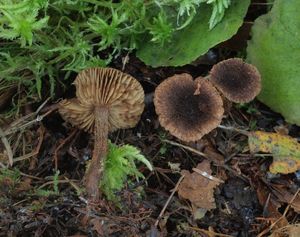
(275,50)
(196,39)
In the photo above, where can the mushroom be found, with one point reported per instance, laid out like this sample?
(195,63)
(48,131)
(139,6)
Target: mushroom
(238,81)
(107,99)
(188,108)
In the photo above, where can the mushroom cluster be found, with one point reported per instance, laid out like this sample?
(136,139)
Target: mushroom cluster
(107,99)
(189,108)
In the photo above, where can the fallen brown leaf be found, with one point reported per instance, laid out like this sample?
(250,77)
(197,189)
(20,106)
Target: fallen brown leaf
(285,196)
(199,190)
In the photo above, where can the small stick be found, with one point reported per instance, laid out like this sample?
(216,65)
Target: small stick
(14,128)
(36,150)
(283,215)
(75,186)
(7,147)
(210,233)
(21,120)
(208,176)
(207,157)
(62,143)
(186,147)
(234,129)
(52,182)
(31,176)
(168,201)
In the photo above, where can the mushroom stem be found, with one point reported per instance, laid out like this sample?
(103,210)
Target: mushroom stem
(96,166)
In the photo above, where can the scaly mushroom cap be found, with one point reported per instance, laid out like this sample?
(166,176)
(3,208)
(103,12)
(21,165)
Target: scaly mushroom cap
(238,81)
(119,92)
(188,108)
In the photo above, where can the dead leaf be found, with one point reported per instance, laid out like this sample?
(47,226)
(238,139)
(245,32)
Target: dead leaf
(199,213)
(214,155)
(294,230)
(285,150)
(175,167)
(98,226)
(24,185)
(198,189)
(163,221)
(289,230)
(271,205)
(284,195)
(281,129)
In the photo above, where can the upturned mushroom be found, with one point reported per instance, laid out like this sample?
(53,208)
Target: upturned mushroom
(188,108)
(238,81)
(107,99)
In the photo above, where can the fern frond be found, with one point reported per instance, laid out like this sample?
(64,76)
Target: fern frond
(119,165)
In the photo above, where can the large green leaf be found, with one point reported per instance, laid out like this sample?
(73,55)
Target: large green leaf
(196,39)
(275,50)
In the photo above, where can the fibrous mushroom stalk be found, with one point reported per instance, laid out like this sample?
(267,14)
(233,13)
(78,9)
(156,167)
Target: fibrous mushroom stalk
(96,167)
(107,100)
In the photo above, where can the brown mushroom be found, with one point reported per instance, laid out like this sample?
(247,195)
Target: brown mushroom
(188,108)
(107,99)
(238,81)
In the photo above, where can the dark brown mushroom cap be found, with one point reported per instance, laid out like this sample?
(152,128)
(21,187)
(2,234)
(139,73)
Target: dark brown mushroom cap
(120,93)
(188,108)
(238,81)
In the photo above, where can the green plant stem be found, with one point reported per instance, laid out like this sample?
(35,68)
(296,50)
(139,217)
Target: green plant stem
(95,170)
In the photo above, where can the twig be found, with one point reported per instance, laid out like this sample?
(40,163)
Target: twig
(208,176)
(291,202)
(210,233)
(62,143)
(21,120)
(168,201)
(36,150)
(14,127)
(7,147)
(75,186)
(283,215)
(266,204)
(234,129)
(186,147)
(30,176)
(42,105)
(241,176)
(52,182)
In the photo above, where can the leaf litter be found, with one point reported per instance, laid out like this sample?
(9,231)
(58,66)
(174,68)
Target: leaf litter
(220,211)
(197,188)
(235,209)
